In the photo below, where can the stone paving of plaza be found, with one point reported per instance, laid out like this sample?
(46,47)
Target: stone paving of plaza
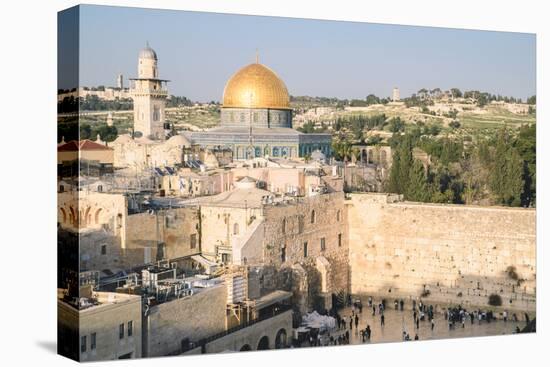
(398,321)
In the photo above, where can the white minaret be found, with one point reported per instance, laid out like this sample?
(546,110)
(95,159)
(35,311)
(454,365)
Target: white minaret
(149,97)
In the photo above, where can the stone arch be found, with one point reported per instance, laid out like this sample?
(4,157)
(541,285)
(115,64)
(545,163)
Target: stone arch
(96,215)
(87,217)
(263,343)
(73,216)
(245,348)
(63,215)
(281,339)
(370,156)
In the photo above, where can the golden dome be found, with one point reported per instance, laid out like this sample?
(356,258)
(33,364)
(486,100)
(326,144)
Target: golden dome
(256,86)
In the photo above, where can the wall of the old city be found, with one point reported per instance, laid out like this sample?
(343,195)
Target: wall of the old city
(330,222)
(194,317)
(290,227)
(458,253)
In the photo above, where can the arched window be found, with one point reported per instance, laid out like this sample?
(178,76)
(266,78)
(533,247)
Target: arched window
(283,226)
(312,216)
(236,228)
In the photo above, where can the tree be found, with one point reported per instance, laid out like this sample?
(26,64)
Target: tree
(526,147)
(507,172)
(402,161)
(417,188)
(107,133)
(532,100)
(456,93)
(396,125)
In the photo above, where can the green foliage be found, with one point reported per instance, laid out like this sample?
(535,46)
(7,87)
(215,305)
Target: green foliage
(342,149)
(94,103)
(526,147)
(396,125)
(107,133)
(401,165)
(496,169)
(417,188)
(456,93)
(455,124)
(506,174)
(178,101)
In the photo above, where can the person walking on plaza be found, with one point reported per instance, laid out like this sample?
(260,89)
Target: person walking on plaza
(416,337)
(433,324)
(396,305)
(505,316)
(418,323)
(351,322)
(401,304)
(368,332)
(373,310)
(356,322)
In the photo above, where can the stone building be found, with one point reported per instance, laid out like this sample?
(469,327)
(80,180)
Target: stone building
(99,326)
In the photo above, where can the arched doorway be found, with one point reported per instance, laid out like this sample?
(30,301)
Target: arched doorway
(263,344)
(280,339)
(245,348)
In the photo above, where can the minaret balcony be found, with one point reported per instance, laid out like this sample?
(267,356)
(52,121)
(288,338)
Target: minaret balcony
(150,91)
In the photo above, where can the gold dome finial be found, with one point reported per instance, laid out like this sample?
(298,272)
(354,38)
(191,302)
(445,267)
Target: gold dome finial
(257,57)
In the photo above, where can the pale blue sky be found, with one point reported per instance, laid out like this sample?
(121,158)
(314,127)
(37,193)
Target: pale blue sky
(198,52)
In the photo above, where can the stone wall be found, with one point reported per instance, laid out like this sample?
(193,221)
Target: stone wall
(448,253)
(195,317)
(330,221)
(178,229)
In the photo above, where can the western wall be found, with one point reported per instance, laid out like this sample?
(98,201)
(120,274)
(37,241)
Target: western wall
(444,254)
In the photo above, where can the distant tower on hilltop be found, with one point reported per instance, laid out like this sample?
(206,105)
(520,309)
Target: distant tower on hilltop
(395,95)
(119,81)
(149,96)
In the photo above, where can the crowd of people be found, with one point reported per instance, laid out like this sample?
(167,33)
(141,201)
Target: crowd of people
(421,312)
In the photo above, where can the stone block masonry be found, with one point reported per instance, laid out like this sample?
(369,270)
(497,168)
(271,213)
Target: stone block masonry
(446,254)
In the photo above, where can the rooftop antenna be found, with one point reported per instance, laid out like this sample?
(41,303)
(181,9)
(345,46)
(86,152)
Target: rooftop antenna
(257,57)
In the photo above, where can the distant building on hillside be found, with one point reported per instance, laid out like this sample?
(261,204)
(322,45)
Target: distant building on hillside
(395,95)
